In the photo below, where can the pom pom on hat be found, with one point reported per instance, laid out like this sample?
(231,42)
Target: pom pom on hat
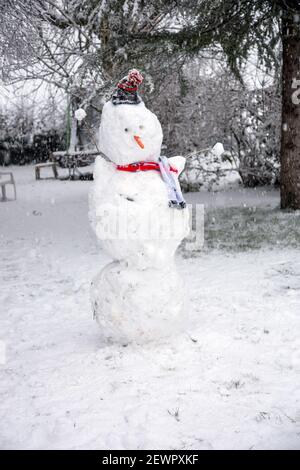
(135,77)
(126,91)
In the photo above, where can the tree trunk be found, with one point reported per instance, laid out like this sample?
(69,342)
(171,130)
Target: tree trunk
(290,134)
(73,136)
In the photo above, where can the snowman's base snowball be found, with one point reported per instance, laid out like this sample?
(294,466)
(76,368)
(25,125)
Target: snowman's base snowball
(131,305)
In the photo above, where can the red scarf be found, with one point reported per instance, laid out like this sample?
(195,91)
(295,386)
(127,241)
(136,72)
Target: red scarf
(142,166)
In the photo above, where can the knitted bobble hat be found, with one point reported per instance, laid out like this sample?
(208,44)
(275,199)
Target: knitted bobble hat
(127,89)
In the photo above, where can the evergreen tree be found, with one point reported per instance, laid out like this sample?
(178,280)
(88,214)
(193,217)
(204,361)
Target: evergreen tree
(269,27)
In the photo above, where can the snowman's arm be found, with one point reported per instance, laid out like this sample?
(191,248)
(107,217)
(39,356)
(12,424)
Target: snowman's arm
(103,170)
(178,163)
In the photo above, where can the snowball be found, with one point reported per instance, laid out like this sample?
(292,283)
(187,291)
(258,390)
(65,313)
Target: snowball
(80,114)
(218,149)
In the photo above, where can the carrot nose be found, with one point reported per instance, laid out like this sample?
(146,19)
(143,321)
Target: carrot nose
(139,141)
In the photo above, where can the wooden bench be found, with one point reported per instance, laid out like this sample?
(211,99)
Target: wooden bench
(39,166)
(9,179)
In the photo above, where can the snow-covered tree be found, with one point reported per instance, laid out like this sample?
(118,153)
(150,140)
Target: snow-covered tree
(82,46)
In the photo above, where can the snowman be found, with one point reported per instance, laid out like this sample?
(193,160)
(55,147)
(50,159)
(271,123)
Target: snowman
(140,217)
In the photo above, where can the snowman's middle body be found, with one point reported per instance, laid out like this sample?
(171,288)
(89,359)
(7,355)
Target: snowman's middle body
(139,296)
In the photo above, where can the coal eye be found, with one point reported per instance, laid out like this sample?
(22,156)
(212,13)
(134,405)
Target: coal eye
(141,127)
(126,129)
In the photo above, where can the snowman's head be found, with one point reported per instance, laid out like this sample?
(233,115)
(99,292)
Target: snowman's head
(129,133)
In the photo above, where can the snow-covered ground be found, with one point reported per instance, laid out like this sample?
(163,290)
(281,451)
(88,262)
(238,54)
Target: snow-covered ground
(233,382)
